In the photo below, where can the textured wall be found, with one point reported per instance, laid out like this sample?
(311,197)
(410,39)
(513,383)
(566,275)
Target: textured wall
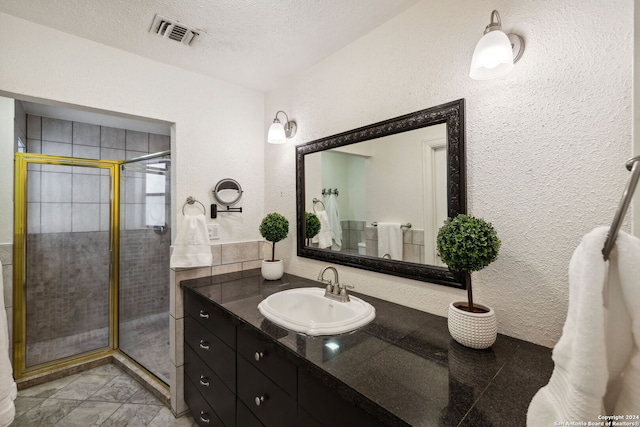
(545,145)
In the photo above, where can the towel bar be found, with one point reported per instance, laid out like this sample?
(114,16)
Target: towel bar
(407,225)
(632,165)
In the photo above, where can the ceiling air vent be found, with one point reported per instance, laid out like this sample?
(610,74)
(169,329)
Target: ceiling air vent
(165,27)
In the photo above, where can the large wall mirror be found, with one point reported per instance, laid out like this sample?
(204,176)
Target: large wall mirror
(382,191)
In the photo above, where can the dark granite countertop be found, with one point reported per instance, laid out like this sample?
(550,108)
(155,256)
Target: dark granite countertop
(403,367)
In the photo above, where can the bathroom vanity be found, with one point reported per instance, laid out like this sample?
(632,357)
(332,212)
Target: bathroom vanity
(402,369)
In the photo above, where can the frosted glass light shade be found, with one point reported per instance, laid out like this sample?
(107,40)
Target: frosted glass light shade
(493,57)
(276,133)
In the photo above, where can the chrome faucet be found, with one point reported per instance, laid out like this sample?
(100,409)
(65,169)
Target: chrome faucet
(335,291)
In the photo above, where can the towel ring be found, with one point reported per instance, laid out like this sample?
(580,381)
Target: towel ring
(317,201)
(191,201)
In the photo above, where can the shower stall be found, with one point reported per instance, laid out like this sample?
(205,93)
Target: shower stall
(91,261)
(145,239)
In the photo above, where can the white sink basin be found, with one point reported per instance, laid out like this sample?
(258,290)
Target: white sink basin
(306,310)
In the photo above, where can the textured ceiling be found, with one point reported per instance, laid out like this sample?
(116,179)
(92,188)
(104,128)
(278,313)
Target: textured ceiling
(254,43)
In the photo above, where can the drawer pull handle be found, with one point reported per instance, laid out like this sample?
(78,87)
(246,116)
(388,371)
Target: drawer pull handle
(204,381)
(204,345)
(204,314)
(204,417)
(258,356)
(259,400)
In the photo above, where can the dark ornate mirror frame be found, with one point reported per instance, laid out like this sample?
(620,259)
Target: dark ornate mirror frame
(452,114)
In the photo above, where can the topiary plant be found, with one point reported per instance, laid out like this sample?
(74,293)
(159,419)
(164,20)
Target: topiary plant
(312,224)
(467,244)
(274,227)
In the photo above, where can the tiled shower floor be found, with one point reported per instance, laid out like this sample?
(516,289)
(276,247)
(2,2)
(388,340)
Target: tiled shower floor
(146,340)
(104,396)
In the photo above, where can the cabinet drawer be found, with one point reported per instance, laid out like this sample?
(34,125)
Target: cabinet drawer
(260,352)
(329,408)
(211,318)
(220,358)
(200,409)
(246,417)
(306,420)
(218,396)
(268,402)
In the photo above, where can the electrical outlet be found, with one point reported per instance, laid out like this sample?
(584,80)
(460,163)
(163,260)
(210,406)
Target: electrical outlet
(213,231)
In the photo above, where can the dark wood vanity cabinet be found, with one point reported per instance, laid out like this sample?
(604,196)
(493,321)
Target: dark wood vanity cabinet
(234,376)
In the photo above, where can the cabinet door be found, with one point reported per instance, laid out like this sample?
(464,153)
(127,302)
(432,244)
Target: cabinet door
(211,317)
(268,402)
(220,358)
(218,396)
(246,418)
(261,352)
(202,413)
(327,407)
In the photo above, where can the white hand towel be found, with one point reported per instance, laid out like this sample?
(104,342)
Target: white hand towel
(192,248)
(8,389)
(334,219)
(390,240)
(323,238)
(597,365)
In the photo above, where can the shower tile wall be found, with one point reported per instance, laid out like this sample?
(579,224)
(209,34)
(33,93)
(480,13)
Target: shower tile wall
(144,273)
(68,213)
(352,234)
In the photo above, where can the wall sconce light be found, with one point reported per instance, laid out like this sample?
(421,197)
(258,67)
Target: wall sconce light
(496,52)
(279,134)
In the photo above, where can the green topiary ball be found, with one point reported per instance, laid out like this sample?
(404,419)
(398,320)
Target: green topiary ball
(312,224)
(467,244)
(274,227)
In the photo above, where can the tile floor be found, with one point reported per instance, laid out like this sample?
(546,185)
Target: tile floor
(104,396)
(146,340)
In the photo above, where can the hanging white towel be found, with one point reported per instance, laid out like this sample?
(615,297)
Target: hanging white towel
(8,389)
(334,220)
(390,240)
(192,248)
(323,238)
(597,363)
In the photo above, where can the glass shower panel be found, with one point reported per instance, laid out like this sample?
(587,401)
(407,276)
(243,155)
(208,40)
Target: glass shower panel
(144,263)
(67,261)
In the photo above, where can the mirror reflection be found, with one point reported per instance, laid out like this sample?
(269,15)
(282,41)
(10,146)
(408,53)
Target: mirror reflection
(382,191)
(385,197)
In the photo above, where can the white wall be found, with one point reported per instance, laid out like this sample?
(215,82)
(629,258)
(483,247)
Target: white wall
(7,113)
(545,144)
(218,130)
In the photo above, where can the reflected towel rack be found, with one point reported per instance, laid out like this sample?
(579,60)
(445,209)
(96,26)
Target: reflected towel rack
(317,201)
(191,201)
(407,225)
(633,165)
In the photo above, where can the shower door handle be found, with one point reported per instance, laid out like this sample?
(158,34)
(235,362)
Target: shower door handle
(204,345)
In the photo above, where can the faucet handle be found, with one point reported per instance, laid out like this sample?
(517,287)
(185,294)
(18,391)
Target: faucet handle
(344,285)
